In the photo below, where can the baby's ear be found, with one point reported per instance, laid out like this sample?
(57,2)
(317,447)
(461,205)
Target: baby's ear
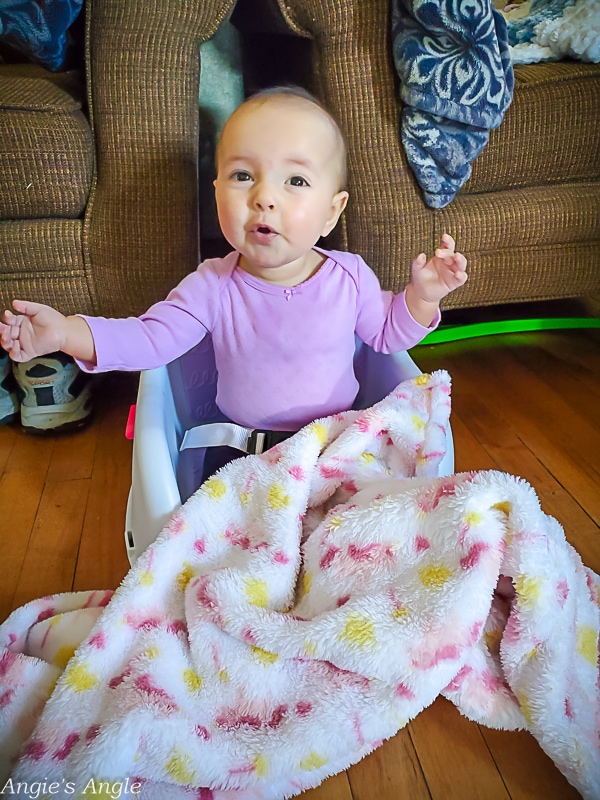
(338,204)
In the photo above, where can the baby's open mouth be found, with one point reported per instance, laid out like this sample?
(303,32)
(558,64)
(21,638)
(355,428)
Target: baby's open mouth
(264,229)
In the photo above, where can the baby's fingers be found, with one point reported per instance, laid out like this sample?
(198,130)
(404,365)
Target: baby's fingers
(27,307)
(458,270)
(448,242)
(460,262)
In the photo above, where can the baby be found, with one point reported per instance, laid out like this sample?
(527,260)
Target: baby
(282,312)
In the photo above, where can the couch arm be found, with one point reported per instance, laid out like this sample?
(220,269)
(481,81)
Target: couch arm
(141,228)
(386,220)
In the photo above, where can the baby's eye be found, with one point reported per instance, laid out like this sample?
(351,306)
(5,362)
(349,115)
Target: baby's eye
(241,175)
(298,180)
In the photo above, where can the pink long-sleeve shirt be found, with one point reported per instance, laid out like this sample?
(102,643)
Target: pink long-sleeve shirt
(284,355)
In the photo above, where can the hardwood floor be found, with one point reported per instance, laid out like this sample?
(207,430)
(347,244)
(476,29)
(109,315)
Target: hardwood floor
(525,404)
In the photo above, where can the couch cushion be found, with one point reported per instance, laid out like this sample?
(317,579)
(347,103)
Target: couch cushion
(536,243)
(46,146)
(42,260)
(549,134)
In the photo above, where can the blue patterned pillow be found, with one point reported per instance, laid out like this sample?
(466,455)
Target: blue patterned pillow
(38,28)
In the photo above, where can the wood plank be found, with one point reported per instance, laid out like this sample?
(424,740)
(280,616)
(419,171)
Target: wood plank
(102,561)
(19,501)
(581,350)
(390,772)
(556,424)
(49,562)
(21,489)
(529,774)
(30,454)
(497,438)
(73,455)
(8,435)
(454,757)
(468,452)
(334,788)
(571,379)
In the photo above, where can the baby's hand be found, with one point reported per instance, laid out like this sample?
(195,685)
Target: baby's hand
(447,270)
(34,331)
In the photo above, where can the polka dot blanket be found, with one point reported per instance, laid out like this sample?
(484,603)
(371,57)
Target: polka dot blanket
(301,608)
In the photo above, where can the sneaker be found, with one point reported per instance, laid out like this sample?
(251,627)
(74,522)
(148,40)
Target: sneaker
(55,394)
(9,402)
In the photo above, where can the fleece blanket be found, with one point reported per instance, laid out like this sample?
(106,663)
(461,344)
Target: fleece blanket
(456,82)
(299,609)
(39,29)
(550,30)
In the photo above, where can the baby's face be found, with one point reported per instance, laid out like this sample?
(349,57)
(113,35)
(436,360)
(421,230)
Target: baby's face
(277,184)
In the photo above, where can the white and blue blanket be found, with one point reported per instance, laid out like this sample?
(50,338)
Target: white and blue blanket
(457,81)
(550,30)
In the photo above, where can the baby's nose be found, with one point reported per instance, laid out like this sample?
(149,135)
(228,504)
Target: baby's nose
(264,197)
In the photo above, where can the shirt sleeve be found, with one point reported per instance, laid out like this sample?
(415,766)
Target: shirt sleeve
(168,329)
(383,319)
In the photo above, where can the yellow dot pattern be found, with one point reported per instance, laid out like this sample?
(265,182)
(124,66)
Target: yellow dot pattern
(79,678)
(421,380)
(312,761)
(320,432)
(310,648)
(417,422)
(359,631)
(525,706)
(63,655)
(587,645)
(306,585)
(264,656)
(192,680)
(185,576)
(215,488)
(529,589)
(434,576)
(179,767)
(147,578)
(257,592)
(277,497)
(261,765)
(401,614)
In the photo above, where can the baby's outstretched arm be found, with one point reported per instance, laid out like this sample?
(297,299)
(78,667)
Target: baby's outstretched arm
(434,279)
(37,329)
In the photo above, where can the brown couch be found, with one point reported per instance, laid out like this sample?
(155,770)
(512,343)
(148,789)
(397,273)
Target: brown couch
(104,218)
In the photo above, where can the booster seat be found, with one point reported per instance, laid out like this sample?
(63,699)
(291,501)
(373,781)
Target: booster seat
(177,397)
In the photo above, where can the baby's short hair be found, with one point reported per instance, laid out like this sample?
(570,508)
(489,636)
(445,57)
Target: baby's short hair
(302,94)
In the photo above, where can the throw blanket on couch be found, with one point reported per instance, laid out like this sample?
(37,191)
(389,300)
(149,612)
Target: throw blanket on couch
(300,608)
(456,82)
